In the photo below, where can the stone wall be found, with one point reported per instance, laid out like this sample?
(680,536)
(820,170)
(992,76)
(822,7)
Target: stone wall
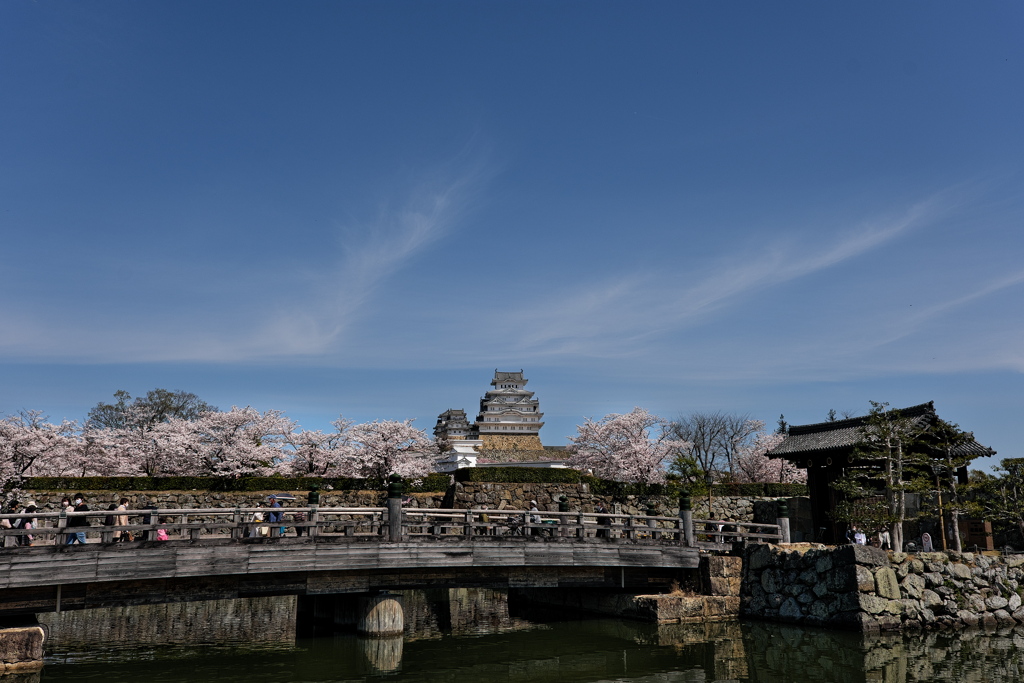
(579,497)
(869,589)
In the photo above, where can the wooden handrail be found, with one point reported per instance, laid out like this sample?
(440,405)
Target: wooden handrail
(237,522)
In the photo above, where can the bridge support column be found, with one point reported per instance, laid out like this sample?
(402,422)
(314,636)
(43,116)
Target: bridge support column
(21,646)
(381,615)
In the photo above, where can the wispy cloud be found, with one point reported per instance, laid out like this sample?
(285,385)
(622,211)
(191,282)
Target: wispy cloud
(233,326)
(372,254)
(615,316)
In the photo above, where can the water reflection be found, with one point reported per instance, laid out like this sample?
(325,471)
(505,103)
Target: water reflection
(483,636)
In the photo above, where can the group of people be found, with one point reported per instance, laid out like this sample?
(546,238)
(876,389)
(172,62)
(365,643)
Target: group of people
(26,522)
(274,516)
(881,539)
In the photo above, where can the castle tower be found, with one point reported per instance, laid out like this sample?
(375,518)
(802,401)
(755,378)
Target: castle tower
(510,417)
(453,425)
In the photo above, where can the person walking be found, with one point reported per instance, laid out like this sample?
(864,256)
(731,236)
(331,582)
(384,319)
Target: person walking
(122,520)
(277,516)
(603,522)
(27,522)
(78,522)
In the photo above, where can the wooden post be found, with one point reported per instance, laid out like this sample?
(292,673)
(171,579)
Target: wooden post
(652,511)
(236,530)
(581,530)
(395,490)
(314,518)
(686,521)
(469,523)
(62,523)
(783,521)
(381,615)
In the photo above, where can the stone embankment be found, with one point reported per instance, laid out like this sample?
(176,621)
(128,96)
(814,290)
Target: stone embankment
(868,589)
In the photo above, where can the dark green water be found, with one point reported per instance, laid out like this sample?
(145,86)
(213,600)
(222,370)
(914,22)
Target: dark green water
(476,636)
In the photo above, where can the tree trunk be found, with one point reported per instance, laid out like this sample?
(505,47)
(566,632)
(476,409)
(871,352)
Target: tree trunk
(955,517)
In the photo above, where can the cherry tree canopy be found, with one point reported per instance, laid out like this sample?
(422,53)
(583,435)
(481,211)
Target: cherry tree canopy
(382,448)
(631,447)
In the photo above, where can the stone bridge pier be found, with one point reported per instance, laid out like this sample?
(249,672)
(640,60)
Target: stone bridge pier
(21,644)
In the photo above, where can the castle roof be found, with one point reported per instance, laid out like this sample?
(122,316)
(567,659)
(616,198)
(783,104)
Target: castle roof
(844,435)
(508,377)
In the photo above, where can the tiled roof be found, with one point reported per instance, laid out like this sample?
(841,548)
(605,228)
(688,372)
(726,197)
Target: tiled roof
(508,376)
(845,434)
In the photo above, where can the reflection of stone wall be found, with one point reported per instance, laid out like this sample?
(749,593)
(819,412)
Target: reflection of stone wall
(870,589)
(781,654)
(242,620)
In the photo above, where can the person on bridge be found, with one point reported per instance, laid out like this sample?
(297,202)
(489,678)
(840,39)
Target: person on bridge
(122,520)
(603,522)
(534,518)
(273,516)
(78,522)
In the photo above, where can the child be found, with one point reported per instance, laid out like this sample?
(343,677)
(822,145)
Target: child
(161,533)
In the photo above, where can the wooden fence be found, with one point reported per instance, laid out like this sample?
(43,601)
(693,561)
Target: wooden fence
(372,523)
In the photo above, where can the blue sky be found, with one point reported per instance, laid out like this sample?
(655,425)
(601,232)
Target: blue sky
(366,207)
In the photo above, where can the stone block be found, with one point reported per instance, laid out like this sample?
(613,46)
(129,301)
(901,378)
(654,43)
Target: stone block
(866,555)
(718,585)
(865,579)
(872,604)
(760,557)
(913,585)
(960,571)
(843,579)
(1013,604)
(1003,617)
(894,607)
(886,584)
(818,609)
(823,564)
(968,617)
(790,609)
(996,602)
(932,579)
(21,648)
(930,598)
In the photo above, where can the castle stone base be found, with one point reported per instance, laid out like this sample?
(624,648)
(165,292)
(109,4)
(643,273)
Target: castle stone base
(511,442)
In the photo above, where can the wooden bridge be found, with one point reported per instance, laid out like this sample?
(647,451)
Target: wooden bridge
(226,552)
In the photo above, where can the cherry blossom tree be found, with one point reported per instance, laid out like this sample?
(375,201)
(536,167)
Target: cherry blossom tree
(752,463)
(386,447)
(320,454)
(632,447)
(31,446)
(235,443)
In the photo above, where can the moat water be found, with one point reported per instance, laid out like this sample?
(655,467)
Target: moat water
(481,636)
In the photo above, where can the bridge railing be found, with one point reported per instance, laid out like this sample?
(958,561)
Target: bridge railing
(711,533)
(419,522)
(373,523)
(193,523)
